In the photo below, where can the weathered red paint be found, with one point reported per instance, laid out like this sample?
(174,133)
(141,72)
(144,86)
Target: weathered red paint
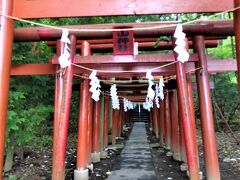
(175,134)
(82,147)
(90,128)
(96,127)
(6,43)
(142,46)
(37,9)
(61,129)
(182,141)
(191,104)
(189,136)
(83,126)
(214,66)
(106,117)
(114,125)
(85,51)
(162,124)
(206,113)
(57,98)
(123,43)
(167,120)
(237,38)
(211,29)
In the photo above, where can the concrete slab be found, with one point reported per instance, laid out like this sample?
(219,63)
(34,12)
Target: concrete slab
(135,162)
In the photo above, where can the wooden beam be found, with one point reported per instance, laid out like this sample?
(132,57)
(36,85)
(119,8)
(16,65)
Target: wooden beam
(214,66)
(76,8)
(207,28)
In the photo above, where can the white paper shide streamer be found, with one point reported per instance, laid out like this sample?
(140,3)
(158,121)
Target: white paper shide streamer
(95,86)
(151,92)
(159,92)
(114,97)
(180,36)
(148,104)
(64,57)
(127,105)
(150,95)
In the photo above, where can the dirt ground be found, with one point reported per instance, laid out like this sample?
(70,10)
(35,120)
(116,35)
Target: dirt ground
(229,159)
(37,165)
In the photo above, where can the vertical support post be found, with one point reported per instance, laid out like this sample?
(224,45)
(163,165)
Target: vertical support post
(106,118)
(83,147)
(175,125)
(114,125)
(155,119)
(103,154)
(110,120)
(189,136)
(237,38)
(62,119)
(90,131)
(162,117)
(96,132)
(205,104)
(182,144)
(86,51)
(119,121)
(167,122)
(6,43)
(191,104)
(82,172)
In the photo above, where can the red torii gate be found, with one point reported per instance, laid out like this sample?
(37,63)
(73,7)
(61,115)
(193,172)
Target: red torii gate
(45,8)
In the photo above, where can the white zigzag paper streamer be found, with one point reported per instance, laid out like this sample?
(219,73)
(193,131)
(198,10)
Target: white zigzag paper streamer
(114,97)
(64,57)
(148,104)
(159,92)
(95,86)
(183,55)
(151,92)
(127,105)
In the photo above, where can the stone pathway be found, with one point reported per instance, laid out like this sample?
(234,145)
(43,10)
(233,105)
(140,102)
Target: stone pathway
(135,162)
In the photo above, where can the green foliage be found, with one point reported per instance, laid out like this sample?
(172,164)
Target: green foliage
(225,93)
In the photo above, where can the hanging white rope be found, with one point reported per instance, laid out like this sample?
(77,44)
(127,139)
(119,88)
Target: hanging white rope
(183,55)
(95,86)
(64,60)
(114,97)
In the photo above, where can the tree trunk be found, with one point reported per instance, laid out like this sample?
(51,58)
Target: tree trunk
(9,158)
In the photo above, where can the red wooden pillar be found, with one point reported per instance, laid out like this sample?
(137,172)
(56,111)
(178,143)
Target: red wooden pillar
(175,144)
(86,51)
(191,104)
(162,126)
(167,122)
(114,125)
(155,118)
(189,136)
(106,117)
(119,122)
(205,104)
(82,148)
(61,120)
(96,132)
(82,171)
(90,130)
(237,38)
(6,43)
(182,145)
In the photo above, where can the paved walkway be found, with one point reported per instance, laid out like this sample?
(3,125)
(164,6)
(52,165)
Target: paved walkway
(135,162)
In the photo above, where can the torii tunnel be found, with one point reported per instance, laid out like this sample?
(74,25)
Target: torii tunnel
(173,123)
